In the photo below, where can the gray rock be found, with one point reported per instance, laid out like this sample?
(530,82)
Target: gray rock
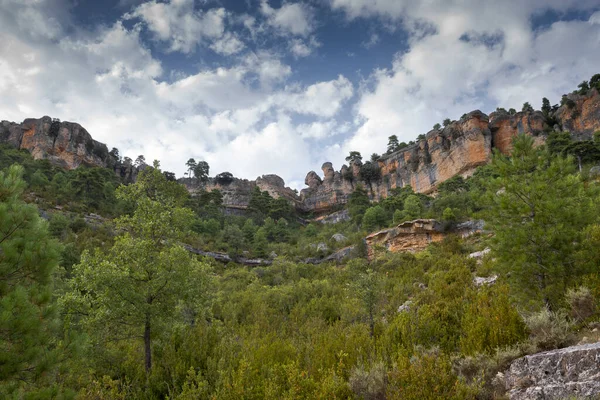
(556,374)
(595,171)
(273,255)
(405,306)
(322,247)
(481,281)
(479,254)
(336,217)
(338,237)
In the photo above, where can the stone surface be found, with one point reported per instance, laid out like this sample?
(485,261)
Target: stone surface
(338,237)
(482,281)
(410,236)
(414,236)
(556,374)
(505,127)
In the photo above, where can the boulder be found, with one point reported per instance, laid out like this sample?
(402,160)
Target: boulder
(556,374)
(338,237)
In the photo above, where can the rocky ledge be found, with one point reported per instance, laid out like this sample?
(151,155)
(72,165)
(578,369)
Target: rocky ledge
(572,372)
(414,236)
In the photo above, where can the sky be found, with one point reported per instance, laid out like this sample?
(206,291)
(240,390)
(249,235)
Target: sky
(255,87)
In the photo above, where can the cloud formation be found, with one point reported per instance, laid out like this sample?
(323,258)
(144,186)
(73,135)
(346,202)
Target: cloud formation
(250,111)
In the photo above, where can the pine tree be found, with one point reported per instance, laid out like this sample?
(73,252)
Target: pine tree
(147,281)
(28,257)
(538,210)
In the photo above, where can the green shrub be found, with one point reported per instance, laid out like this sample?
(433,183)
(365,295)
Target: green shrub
(581,302)
(549,330)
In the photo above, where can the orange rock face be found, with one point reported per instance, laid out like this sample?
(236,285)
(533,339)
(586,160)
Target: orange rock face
(505,127)
(583,119)
(66,144)
(410,236)
(414,236)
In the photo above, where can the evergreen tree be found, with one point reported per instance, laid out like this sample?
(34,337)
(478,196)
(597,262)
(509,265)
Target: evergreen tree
(146,281)
(546,108)
(393,144)
(28,257)
(538,210)
(358,203)
(354,157)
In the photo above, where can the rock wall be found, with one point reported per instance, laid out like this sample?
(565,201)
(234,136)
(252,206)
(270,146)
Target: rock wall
(414,236)
(65,144)
(237,194)
(572,372)
(457,149)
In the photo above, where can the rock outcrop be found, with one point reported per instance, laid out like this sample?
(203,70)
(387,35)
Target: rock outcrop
(414,236)
(457,149)
(238,192)
(66,144)
(558,374)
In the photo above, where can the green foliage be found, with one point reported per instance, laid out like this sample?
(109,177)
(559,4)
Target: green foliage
(375,217)
(490,322)
(538,209)
(437,127)
(354,157)
(413,207)
(28,258)
(546,108)
(527,107)
(447,122)
(428,376)
(370,172)
(146,280)
(358,203)
(393,144)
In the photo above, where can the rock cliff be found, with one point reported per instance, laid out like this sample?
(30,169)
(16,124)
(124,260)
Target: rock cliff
(237,193)
(456,149)
(65,144)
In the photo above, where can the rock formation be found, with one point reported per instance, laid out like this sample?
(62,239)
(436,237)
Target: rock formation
(65,144)
(557,374)
(414,236)
(237,193)
(457,149)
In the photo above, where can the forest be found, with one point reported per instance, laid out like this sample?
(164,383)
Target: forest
(101,299)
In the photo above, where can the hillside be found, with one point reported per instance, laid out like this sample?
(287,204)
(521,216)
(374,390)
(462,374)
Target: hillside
(465,267)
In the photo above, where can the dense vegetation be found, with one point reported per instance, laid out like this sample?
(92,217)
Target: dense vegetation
(100,299)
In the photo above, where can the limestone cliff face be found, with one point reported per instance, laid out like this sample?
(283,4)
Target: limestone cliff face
(505,127)
(63,143)
(237,193)
(583,118)
(457,149)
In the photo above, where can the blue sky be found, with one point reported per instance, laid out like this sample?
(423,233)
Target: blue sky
(271,86)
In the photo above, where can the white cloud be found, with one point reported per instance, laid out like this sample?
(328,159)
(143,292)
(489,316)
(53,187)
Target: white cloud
(303,48)
(228,45)
(291,18)
(322,99)
(238,118)
(179,24)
